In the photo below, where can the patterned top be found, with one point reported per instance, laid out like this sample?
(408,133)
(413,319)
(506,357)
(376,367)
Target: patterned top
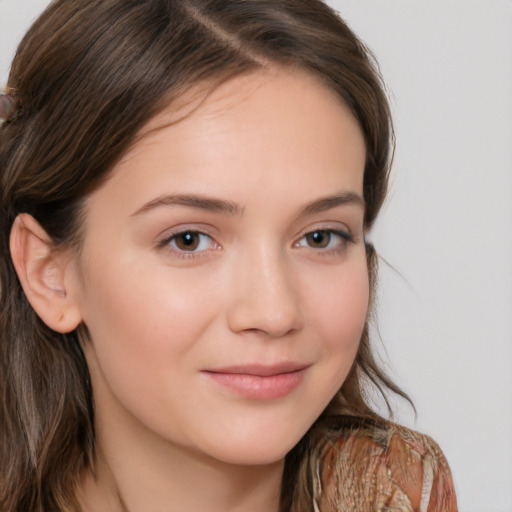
(392,469)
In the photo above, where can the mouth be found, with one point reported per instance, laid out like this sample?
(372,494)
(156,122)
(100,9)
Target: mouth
(259,382)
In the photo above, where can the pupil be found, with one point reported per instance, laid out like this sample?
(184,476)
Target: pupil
(319,238)
(188,241)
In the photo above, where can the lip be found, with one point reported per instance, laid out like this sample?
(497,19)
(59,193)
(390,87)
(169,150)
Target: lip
(260,382)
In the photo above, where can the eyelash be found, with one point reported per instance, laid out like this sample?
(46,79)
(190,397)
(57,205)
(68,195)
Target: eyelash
(167,243)
(344,237)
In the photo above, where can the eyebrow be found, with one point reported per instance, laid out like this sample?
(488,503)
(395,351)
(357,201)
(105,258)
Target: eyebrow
(192,201)
(329,202)
(233,209)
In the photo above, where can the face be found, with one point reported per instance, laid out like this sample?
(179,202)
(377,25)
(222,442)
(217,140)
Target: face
(223,276)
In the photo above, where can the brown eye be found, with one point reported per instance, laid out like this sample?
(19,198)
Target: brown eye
(187,241)
(190,241)
(319,239)
(325,239)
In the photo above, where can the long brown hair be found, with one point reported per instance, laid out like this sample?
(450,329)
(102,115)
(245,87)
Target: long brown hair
(88,76)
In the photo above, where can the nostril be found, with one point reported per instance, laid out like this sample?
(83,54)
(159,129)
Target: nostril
(264,320)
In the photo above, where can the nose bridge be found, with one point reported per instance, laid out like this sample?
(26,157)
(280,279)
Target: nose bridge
(266,297)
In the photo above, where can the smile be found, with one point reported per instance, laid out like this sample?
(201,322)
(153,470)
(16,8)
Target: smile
(257,382)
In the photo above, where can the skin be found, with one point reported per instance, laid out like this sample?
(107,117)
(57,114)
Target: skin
(264,283)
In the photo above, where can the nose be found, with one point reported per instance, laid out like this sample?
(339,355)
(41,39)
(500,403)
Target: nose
(266,297)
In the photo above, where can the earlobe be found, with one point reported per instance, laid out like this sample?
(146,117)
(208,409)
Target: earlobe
(44,274)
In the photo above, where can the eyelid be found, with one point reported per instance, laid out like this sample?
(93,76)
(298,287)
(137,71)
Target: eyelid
(164,242)
(344,234)
(334,227)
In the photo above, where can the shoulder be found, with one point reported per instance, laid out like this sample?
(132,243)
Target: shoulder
(385,467)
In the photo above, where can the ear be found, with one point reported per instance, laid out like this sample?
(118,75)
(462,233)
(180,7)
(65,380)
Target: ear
(46,275)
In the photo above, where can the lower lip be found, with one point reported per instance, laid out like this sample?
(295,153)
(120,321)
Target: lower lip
(257,387)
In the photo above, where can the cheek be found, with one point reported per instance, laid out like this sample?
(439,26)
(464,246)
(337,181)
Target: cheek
(135,302)
(340,315)
(142,322)
(343,308)
(145,341)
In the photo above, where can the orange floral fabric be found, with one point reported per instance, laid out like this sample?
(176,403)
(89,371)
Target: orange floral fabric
(391,469)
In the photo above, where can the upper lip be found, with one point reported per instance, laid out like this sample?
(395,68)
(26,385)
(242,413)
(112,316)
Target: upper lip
(261,370)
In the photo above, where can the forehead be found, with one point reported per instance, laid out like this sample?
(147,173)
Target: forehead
(263,85)
(273,127)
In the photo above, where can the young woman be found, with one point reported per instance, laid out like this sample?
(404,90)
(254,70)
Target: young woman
(185,281)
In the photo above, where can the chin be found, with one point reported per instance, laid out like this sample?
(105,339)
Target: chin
(254,456)
(257,451)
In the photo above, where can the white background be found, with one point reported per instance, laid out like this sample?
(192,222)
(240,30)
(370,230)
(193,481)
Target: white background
(446,315)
